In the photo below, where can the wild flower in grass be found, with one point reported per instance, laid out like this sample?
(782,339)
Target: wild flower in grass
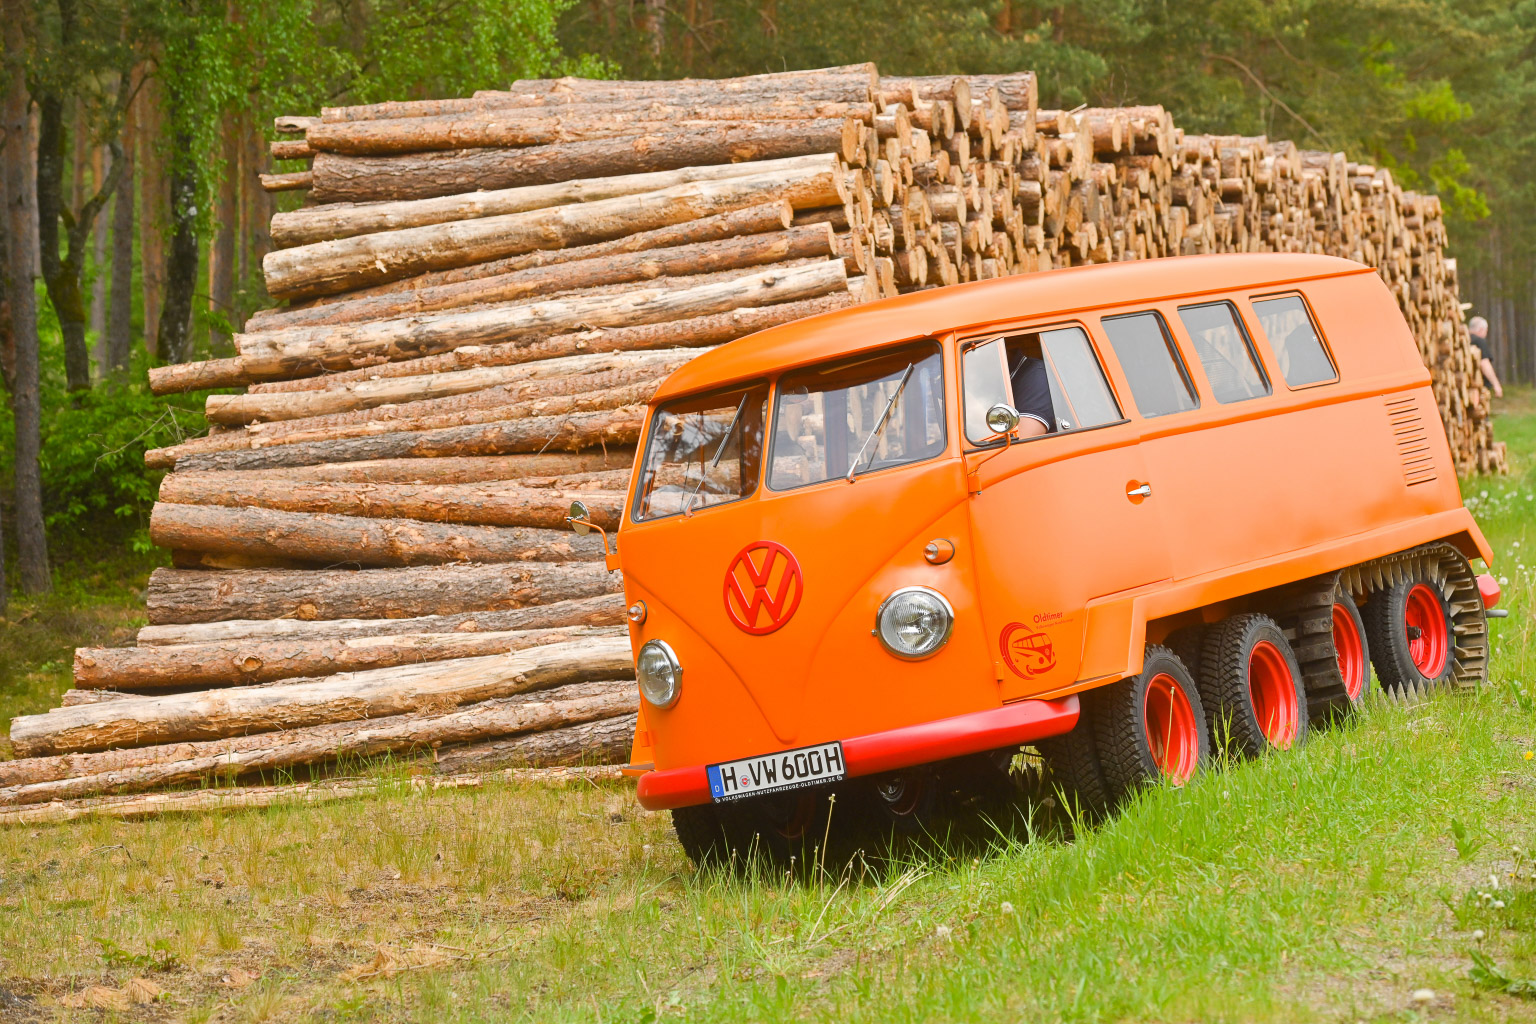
(1529,754)
(1477,935)
(1423,995)
(943,932)
(1007,907)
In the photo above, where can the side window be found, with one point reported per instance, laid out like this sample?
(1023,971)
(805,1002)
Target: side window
(1052,377)
(1159,382)
(1225,352)
(1292,334)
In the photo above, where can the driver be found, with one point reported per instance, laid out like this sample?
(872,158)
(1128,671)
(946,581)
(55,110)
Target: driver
(1028,379)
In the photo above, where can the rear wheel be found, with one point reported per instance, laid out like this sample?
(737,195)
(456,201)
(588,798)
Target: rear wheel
(1149,726)
(1411,635)
(1328,637)
(1252,686)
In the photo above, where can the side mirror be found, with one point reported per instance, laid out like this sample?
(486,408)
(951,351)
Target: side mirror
(580,517)
(1002,419)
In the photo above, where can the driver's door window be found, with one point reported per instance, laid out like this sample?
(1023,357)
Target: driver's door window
(1052,377)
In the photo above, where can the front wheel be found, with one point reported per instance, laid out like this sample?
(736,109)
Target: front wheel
(1252,686)
(1150,726)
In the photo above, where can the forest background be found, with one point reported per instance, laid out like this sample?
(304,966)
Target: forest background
(134,130)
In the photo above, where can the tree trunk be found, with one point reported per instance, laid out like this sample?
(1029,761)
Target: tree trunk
(119,346)
(487,504)
(338,178)
(175,341)
(572,433)
(305,349)
(338,539)
(345,264)
(711,329)
(347,697)
(850,83)
(61,271)
(602,610)
(221,255)
(531,714)
(536,127)
(345,220)
(153,202)
(697,258)
(251,662)
(21,227)
(100,264)
(604,741)
(526,380)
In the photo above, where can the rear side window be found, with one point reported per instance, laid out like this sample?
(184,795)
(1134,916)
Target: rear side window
(1225,352)
(1051,376)
(1292,334)
(1159,382)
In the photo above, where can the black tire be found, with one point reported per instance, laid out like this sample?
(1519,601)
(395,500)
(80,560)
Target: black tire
(1186,643)
(1385,584)
(1395,643)
(1236,660)
(1072,763)
(701,834)
(1118,714)
(1335,666)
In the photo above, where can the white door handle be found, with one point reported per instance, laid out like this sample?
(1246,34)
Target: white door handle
(1144,491)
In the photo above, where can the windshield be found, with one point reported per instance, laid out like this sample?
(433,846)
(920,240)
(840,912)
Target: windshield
(856,416)
(702,451)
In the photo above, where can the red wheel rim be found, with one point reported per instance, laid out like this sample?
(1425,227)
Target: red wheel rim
(1171,732)
(1272,689)
(1425,615)
(1350,648)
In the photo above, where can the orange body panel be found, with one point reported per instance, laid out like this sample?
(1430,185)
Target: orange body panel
(1059,577)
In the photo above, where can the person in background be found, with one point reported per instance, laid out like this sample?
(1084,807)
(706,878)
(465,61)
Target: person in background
(1478,328)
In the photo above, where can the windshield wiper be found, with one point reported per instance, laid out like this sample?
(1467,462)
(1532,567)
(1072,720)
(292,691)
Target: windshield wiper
(720,451)
(880,426)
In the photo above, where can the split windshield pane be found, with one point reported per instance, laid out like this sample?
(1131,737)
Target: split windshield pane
(831,418)
(702,451)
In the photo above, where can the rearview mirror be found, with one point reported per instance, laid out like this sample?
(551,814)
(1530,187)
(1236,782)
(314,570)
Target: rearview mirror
(580,518)
(1002,419)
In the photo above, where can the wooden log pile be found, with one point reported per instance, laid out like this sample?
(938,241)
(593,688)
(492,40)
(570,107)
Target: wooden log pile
(479,295)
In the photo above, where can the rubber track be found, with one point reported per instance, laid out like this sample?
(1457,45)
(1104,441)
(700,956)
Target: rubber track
(1448,567)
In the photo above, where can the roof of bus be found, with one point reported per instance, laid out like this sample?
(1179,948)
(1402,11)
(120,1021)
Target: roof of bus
(939,310)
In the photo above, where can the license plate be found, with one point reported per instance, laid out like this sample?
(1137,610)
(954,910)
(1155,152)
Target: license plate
(771,773)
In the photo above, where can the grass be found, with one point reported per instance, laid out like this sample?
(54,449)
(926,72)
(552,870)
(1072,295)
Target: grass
(1383,872)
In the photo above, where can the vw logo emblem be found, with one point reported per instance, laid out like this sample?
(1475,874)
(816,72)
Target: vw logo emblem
(763,587)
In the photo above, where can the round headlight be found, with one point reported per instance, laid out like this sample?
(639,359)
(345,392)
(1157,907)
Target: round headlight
(914,622)
(659,673)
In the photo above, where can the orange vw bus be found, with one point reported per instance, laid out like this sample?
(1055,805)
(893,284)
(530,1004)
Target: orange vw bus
(1094,511)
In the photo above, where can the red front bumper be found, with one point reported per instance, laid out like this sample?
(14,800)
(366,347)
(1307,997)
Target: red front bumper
(1020,723)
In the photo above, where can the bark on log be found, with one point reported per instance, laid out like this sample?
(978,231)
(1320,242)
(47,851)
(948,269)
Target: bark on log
(603,610)
(337,178)
(492,405)
(537,127)
(851,83)
(130,807)
(310,349)
(468,469)
(539,379)
(487,504)
(347,697)
(564,276)
(617,427)
(346,220)
(604,741)
(326,267)
(711,329)
(338,540)
(749,220)
(292,182)
(569,712)
(248,662)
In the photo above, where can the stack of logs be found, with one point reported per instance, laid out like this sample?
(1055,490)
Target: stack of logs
(480,296)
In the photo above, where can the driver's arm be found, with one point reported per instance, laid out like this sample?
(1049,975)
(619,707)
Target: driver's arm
(1032,397)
